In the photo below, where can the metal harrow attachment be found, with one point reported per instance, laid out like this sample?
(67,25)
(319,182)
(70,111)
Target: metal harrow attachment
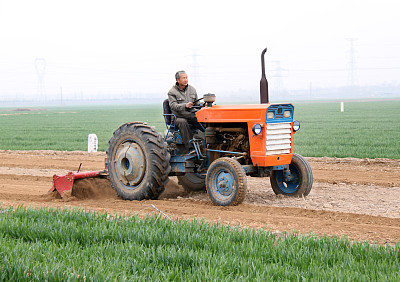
(65,182)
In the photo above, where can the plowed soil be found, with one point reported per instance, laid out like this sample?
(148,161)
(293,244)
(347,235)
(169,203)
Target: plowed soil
(354,198)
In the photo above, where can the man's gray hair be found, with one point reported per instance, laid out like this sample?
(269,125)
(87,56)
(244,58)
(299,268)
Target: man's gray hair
(178,74)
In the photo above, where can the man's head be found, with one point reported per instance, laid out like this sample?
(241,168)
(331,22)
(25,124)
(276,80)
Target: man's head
(181,79)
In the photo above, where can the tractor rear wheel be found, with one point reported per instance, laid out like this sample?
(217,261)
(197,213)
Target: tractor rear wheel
(192,182)
(138,162)
(226,182)
(300,181)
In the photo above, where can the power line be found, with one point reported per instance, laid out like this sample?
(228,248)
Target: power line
(352,62)
(195,69)
(40,66)
(345,69)
(278,73)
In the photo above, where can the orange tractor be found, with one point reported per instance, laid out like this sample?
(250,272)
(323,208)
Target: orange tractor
(235,141)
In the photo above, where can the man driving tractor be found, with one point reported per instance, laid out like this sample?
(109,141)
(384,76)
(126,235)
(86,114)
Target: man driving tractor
(182,97)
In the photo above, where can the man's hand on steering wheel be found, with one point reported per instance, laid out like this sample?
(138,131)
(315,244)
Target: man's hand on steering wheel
(191,105)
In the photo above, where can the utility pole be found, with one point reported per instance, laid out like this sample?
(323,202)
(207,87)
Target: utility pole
(278,73)
(61,95)
(195,70)
(352,80)
(40,66)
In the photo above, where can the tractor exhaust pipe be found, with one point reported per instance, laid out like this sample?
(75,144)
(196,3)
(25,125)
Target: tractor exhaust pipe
(264,99)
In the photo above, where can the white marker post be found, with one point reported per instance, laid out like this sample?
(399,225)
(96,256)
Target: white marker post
(342,107)
(92,143)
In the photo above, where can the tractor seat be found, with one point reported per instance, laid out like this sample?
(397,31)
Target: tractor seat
(169,118)
(167,112)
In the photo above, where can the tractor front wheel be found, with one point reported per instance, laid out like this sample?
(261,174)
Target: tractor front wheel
(138,162)
(226,182)
(296,182)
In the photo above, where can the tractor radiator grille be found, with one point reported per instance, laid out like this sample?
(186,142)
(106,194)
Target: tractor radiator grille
(278,138)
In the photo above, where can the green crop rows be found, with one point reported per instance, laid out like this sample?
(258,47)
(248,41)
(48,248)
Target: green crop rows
(363,130)
(53,245)
(68,128)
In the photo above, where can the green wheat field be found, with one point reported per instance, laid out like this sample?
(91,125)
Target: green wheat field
(73,245)
(363,130)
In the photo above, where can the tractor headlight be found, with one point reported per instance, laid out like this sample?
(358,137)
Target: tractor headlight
(270,115)
(296,125)
(286,114)
(257,129)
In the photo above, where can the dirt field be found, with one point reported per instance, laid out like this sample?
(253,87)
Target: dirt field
(358,199)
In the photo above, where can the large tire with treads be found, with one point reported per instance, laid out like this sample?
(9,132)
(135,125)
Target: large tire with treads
(301,180)
(137,162)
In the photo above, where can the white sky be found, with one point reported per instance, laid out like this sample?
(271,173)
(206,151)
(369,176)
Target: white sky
(111,48)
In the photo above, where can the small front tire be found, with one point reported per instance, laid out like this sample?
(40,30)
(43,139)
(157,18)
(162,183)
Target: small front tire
(300,181)
(226,182)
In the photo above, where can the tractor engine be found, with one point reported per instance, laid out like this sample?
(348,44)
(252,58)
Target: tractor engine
(223,137)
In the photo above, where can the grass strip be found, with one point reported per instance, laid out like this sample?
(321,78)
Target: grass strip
(52,244)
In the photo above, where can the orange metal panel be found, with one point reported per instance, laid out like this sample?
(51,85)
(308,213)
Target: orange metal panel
(258,149)
(257,142)
(251,114)
(233,113)
(271,160)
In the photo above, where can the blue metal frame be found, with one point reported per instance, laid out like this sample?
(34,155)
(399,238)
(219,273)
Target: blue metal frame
(197,149)
(169,125)
(177,137)
(178,162)
(279,167)
(278,111)
(227,152)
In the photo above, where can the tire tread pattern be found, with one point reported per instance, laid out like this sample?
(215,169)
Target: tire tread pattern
(158,167)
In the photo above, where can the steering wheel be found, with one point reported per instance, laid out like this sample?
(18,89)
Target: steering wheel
(197,107)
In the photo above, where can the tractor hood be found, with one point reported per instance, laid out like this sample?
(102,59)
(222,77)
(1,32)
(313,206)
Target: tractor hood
(233,113)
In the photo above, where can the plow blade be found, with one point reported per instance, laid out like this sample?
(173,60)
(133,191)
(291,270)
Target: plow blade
(65,182)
